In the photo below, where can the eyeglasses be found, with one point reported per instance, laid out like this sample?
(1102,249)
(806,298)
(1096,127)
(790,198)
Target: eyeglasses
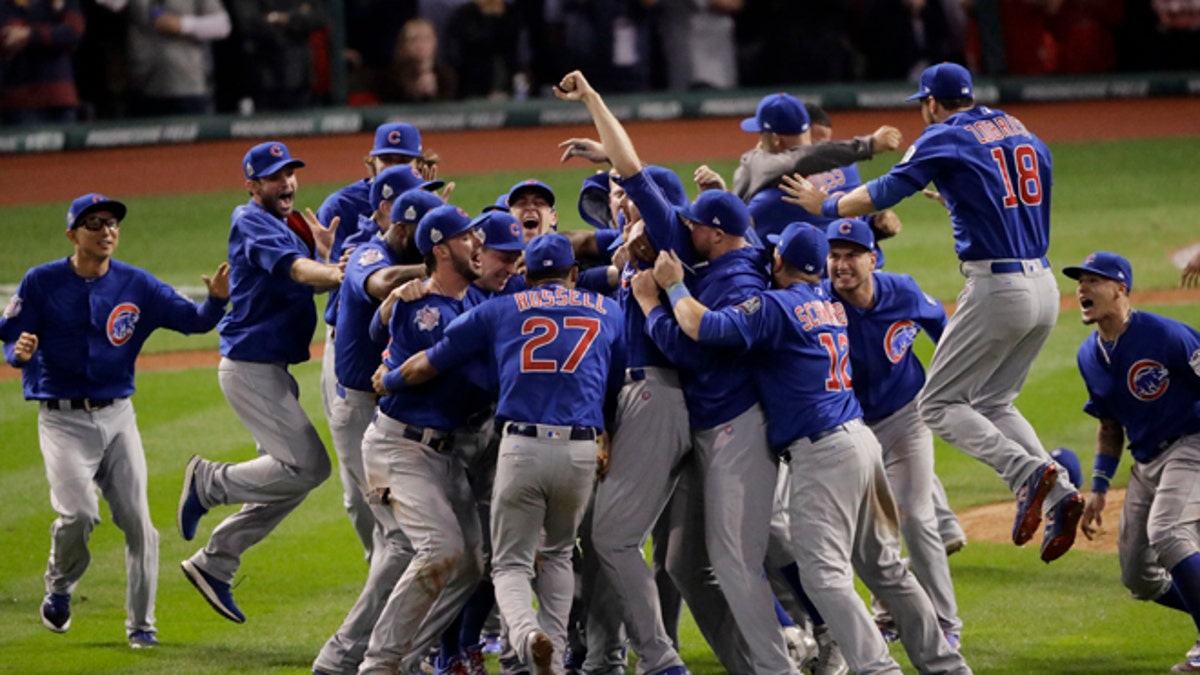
(95,223)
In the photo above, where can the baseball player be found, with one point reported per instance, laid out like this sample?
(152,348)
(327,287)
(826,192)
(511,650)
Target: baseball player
(408,453)
(532,203)
(398,147)
(78,324)
(841,509)
(720,515)
(885,313)
(559,354)
(1142,373)
(373,270)
(995,176)
(274,269)
(786,146)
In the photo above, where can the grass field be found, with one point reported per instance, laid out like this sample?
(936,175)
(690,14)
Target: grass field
(1021,616)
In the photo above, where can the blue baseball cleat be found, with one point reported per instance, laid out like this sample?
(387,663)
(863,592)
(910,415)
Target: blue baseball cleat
(1030,496)
(1061,523)
(190,509)
(142,639)
(56,612)
(218,593)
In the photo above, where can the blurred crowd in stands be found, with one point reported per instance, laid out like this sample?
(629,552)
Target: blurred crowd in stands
(66,60)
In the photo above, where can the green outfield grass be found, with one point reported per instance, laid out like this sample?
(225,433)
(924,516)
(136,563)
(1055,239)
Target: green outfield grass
(1021,615)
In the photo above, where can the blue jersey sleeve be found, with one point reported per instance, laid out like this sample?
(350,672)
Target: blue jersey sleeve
(595,280)
(21,315)
(466,337)
(180,314)
(269,244)
(927,311)
(663,227)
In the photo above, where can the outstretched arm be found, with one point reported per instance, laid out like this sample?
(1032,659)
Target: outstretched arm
(617,146)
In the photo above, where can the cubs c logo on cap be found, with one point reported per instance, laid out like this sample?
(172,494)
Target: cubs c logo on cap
(393,137)
(121,321)
(899,338)
(276,151)
(845,227)
(1090,259)
(515,228)
(1148,380)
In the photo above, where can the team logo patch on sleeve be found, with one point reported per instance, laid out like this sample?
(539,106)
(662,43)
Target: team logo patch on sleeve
(427,318)
(13,308)
(750,306)
(1148,380)
(370,257)
(908,154)
(900,336)
(121,321)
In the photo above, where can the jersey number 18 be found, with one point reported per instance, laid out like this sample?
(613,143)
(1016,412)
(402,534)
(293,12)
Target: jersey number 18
(1029,182)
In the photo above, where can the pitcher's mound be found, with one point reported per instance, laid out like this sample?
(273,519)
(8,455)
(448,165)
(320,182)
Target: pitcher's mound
(993,523)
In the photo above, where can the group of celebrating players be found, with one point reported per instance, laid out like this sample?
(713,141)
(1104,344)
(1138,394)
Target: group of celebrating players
(510,405)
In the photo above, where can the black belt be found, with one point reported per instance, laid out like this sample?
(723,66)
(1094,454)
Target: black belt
(88,404)
(822,435)
(438,441)
(540,431)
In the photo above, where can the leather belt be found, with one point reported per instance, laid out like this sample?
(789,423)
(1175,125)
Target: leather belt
(88,404)
(551,431)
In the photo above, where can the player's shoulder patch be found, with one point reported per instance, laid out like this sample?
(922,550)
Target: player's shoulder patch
(908,153)
(750,305)
(931,300)
(370,256)
(13,308)
(427,318)
(1148,379)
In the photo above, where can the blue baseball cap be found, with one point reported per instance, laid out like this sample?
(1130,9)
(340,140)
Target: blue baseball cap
(720,209)
(944,80)
(444,222)
(1068,460)
(853,230)
(90,203)
(530,184)
(501,204)
(779,114)
(499,230)
(802,246)
(551,251)
(668,182)
(397,138)
(265,159)
(593,202)
(1105,264)
(411,206)
(396,180)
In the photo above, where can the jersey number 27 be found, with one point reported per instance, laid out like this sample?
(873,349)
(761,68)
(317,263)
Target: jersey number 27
(1029,182)
(544,332)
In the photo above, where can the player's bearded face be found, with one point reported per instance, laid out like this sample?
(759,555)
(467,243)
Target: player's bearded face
(849,265)
(464,255)
(277,192)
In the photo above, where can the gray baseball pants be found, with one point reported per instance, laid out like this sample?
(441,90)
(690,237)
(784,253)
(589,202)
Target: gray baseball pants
(843,514)
(349,415)
(101,447)
(541,490)
(739,474)
(908,459)
(291,462)
(432,504)
(980,365)
(1160,522)
(650,448)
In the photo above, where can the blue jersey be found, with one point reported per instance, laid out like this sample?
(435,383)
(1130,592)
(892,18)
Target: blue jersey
(273,317)
(1149,381)
(559,353)
(477,296)
(366,230)
(771,214)
(995,176)
(798,357)
(357,355)
(90,331)
(442,403)
(347,204)
(887,375)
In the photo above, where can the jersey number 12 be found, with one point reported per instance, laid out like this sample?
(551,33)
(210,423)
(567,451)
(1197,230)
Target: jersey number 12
(839,362)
